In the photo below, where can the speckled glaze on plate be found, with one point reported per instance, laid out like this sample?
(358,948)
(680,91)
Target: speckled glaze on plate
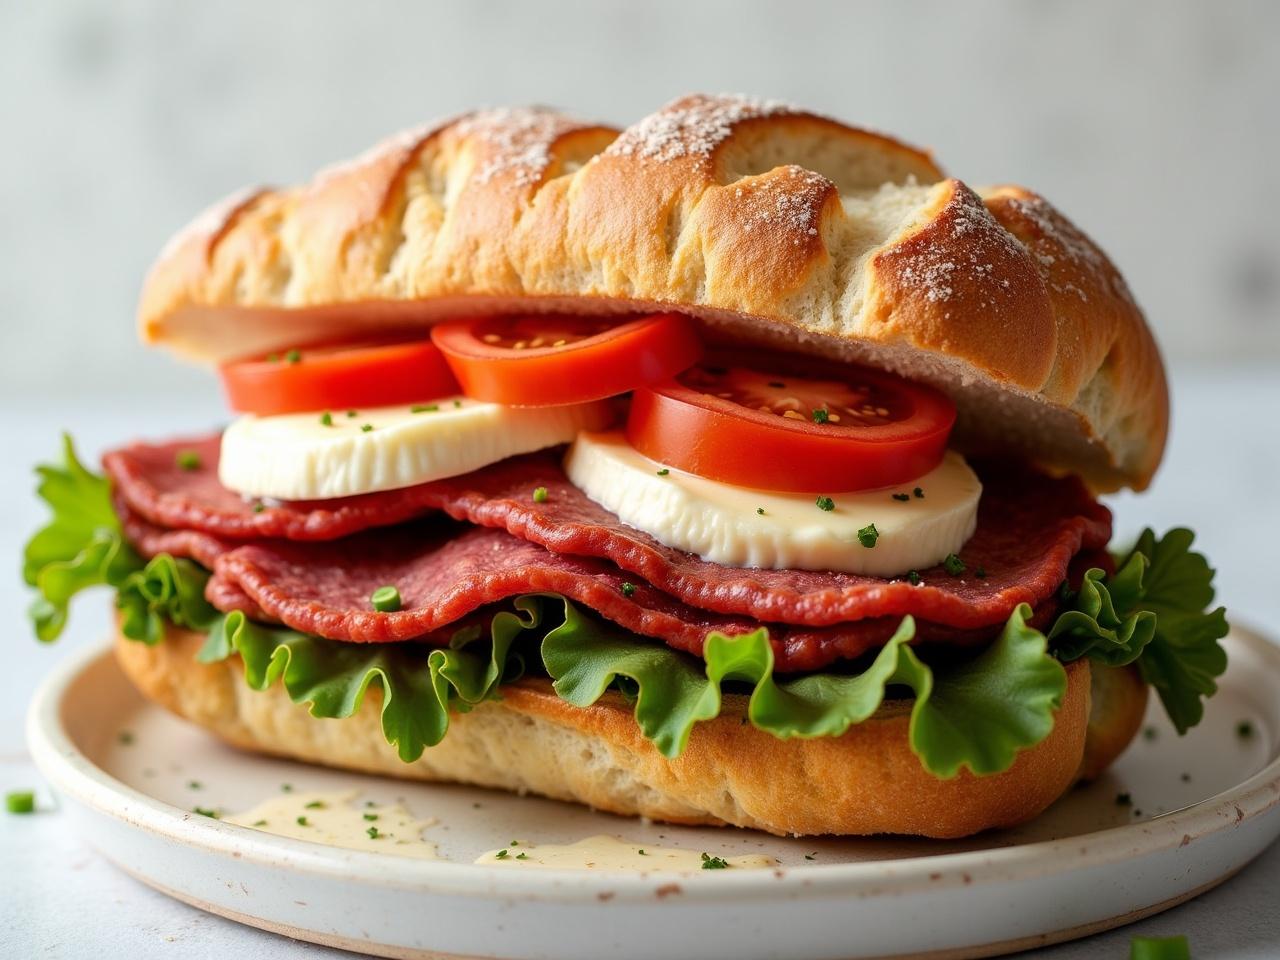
(1199,809)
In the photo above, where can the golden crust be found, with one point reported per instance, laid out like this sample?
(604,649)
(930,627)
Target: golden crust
(767,223)
(867,781)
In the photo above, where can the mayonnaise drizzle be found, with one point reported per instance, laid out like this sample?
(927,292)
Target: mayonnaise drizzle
(608,853)
(335,819)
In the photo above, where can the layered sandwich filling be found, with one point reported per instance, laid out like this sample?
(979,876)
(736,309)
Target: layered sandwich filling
(590,501)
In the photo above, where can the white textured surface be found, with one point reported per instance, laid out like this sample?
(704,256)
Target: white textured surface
(59,899)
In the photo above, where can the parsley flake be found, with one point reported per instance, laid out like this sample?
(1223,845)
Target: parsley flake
(825,503)
(902,497)
(760,511)
(980,573)
(366,427)
(326,419)
(1124,800)
(259,507)
(820,416)
(302,822)
(913,578)
(811,856)
(714,863)
(522,856)
(293,356)
(371,816)
(373,833)
(628,589)
(868,535)
(663,472)
(20,801)
(205,812)
(352,414)
(125,737)
(187,460)
(953,565)
(918,493)
(540,494)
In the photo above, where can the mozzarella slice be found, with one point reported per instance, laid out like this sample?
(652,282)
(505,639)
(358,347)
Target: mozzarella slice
(314,456)
(724,523)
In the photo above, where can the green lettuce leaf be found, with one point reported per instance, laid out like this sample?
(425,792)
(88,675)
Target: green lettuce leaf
(1153,612)
(166,589)
(977,714)
(1184,657)
(80,547)
(419,684)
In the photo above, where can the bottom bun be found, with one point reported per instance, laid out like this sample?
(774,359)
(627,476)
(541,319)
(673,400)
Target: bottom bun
(865,782)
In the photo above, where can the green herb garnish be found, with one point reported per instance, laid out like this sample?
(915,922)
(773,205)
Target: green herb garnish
(628,589)
(302,822)
(522,856)
(868,535)
(1124,800)
(1159,948)
(373,833)
(825,503)
(500,855)
(918,493)
(259,507)
(315,805)
(385,599)
(293,356)
(125,738)
(205,812)
(20,801)
(195,785)
(366,427)
(371,816)
(540,494)
(424,408)
(760,511)
(980,573)
(352,414)
(913,578)
(326,419)
(953,565)
(714,863)
(187,460)
(902,497)
(663,472)
(820,416)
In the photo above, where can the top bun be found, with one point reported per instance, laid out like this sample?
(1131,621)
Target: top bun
(768,224)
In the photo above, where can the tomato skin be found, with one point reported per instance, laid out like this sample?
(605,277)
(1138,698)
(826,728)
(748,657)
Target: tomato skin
(717,438)
(336,378)
(604,364)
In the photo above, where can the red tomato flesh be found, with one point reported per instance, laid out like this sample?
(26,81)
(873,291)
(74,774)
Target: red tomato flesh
(853,429)
(550,359)
(338,377)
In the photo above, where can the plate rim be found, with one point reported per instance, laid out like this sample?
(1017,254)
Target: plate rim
(70,771)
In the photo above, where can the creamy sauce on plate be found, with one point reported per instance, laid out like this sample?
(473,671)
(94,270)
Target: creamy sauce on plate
(336,819)
(610,853)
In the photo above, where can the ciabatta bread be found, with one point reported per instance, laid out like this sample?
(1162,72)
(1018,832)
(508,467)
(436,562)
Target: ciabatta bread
(768,224)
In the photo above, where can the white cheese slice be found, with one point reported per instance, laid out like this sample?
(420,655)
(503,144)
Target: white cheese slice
(306,456)
(723,523)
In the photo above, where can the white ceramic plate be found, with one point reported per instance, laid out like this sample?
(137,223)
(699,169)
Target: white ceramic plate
(1202,806)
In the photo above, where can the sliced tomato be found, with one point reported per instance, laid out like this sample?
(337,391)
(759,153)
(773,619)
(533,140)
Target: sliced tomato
(853,429)
(339,377)
(549,359)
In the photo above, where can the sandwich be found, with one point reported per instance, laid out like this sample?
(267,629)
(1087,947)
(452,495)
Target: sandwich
(740,467)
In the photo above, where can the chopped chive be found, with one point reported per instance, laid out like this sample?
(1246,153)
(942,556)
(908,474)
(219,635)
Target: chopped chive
(205,812)
(539,494)
(868,535)
(373,833)
(315,805)
(760,510)
(918,493)
(424,408)
(293,356)
(820,416)
(953,565)
(522,856)
(663,472)
(1159,948)
(913,578)
(302,822)
(20,801)
(187,460)
(825,503)
(366,427)
(514,843)
(628,589)
(713,863)
(326,419)
(385,599)
(371,816)
(902,497)
(500,855)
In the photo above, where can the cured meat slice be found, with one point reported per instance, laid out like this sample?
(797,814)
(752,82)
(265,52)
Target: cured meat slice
(450,575)
(1029,528)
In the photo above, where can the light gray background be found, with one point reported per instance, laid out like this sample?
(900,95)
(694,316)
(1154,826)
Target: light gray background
(1153,124)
